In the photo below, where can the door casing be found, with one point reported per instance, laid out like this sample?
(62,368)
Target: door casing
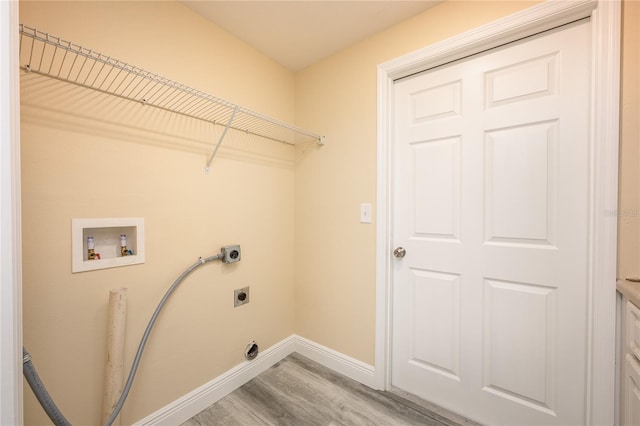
(603,188)
(11,406)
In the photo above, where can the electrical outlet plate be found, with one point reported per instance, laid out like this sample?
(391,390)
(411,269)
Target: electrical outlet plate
(231,254)
(240,297)
(365,213)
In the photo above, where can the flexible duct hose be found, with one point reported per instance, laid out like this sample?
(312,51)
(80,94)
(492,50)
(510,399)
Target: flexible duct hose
(40,391)
(45,399)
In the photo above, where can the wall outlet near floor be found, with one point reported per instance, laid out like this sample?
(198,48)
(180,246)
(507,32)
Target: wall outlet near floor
(240,297)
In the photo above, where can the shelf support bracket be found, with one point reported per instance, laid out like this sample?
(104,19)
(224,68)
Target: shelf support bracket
(224,133)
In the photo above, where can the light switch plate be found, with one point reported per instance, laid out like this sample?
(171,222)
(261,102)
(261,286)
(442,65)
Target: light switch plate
(365,213)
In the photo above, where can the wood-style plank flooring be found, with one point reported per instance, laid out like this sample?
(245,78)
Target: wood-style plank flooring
(297,391)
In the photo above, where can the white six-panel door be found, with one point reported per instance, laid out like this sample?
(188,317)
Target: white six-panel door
(491,204)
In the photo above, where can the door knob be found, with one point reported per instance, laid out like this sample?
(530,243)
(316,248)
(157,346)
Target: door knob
(399,252)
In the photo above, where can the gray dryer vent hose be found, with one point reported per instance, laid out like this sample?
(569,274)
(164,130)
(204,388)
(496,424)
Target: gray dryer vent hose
(40,391)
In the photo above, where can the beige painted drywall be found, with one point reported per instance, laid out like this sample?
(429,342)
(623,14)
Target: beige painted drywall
(629,202)
(335,254)
(85,155)
(335,275)
(83,167)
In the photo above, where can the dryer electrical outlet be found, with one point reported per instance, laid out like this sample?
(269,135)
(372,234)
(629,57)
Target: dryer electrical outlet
(231,254)
(240,297)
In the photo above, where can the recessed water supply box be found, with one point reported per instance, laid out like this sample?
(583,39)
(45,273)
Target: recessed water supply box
(106,243)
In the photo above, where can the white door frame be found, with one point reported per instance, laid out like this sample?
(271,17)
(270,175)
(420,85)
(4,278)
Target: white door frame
(10,228)
(603,187)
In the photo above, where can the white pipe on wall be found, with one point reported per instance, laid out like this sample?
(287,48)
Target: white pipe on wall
(114,366)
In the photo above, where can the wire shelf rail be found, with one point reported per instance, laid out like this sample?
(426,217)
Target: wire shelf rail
(49,55)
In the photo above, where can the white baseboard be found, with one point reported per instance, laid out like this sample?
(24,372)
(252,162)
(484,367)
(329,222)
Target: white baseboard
(182,409)
(336,361)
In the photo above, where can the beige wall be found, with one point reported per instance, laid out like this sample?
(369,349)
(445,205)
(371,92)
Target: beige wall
(111,159)
(629,203)
(335,262)
(83,167)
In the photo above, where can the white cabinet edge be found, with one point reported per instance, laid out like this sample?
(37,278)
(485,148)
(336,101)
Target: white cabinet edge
(78,264)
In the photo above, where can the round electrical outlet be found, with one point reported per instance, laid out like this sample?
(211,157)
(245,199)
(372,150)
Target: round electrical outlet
(240,296)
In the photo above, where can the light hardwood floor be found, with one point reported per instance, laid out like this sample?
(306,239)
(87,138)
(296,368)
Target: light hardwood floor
(297,391)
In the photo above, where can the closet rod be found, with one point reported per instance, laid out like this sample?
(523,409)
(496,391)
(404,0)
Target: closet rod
(51,56)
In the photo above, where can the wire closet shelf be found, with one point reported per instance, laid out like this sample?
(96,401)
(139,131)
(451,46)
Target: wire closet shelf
(56,58)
